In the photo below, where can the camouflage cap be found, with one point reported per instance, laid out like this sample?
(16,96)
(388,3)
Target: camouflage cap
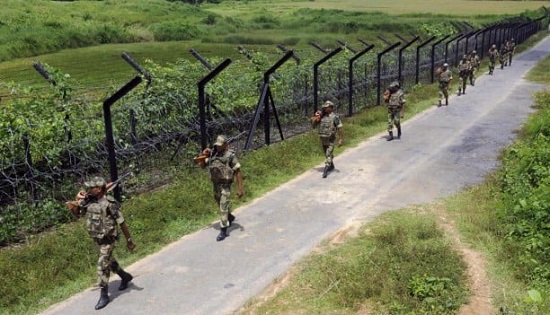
(96,182)
(445,65)
(394,84)
(220,140)
(327,104)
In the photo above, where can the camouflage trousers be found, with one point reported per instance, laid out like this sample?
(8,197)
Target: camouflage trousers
(443,90)
(222,194)
(462,84)
(503,61)
(328,148)
(491,65)
(105,262)
(394,118)
(472,75)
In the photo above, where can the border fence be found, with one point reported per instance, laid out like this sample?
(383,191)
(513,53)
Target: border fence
(165,119)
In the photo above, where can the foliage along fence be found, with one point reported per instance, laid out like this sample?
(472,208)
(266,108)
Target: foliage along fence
(50,139)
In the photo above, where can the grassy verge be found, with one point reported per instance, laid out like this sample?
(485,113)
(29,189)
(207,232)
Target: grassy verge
(399,264)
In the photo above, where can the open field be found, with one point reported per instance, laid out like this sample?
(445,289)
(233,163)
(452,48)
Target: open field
(141,30)
(415,7)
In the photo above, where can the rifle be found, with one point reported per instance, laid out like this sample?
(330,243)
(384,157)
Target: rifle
(73,205)
(202,157)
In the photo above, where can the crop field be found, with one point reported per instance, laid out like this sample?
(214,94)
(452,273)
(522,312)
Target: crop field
(414,7)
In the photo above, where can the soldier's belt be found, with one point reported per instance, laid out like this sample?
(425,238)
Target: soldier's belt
(107,240)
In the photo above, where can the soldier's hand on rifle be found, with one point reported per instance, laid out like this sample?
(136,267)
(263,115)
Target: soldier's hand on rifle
(81,195)
(206,151)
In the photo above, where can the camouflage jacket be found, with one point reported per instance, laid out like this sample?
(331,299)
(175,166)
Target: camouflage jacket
(102,217)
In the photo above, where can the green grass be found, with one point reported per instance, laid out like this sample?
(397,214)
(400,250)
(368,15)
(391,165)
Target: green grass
(57,32)
(66,255)
(400,263)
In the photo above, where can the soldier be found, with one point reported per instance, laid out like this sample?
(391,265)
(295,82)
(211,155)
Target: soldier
(102,216)
(474,60)
(493,55)
(445,78)
(503,56)
(511,50)
(396,108)
(464,68)
(329,125)
(224,167)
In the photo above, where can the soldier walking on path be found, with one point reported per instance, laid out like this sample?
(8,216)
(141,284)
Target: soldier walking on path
(102,216)
(224,167)
(474,61)
(329,124)
(493,54)
(511,47)
(464,68)
(444,77)
(503,56)
(395,100)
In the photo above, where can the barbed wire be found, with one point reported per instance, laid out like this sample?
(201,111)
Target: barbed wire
(162,118)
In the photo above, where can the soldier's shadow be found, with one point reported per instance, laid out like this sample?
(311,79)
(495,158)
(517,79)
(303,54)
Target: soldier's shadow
(234,226)
(114,292)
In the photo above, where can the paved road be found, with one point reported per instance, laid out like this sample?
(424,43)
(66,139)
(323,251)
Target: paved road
(442,151)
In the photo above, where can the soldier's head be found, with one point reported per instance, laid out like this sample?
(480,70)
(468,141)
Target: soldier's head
(328,106)
(494,46)
(474,52)
(221,143)
(394,86)
(464,57)
(96,186)
(445,65)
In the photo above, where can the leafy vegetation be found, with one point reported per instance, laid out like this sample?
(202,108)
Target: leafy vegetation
(27,28)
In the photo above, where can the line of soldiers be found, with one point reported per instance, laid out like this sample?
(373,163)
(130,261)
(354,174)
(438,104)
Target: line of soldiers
(468,67)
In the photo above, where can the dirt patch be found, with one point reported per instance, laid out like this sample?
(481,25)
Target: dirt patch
(480,300)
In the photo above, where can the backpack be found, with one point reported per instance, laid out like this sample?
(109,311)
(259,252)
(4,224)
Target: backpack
(326,127)
(98,221)
(220,171)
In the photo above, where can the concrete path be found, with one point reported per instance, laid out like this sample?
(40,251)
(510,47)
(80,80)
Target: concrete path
(442,151)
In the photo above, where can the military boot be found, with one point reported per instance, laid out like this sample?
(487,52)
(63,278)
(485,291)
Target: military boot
(446,101)
(222,235)
(439,103)
(125,279)
(390,137)
(331,167)
(459,92)
(103,298)
(399,132)
(325,171)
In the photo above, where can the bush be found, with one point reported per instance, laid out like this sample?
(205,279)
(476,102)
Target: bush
(174,31)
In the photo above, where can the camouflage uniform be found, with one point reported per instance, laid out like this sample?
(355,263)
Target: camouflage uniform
(493,55)
(102,217)
(222,168)
(444,79)
(464,68)
(328,126)
(503,56)
(511,50)
(395,104)
(474,61)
